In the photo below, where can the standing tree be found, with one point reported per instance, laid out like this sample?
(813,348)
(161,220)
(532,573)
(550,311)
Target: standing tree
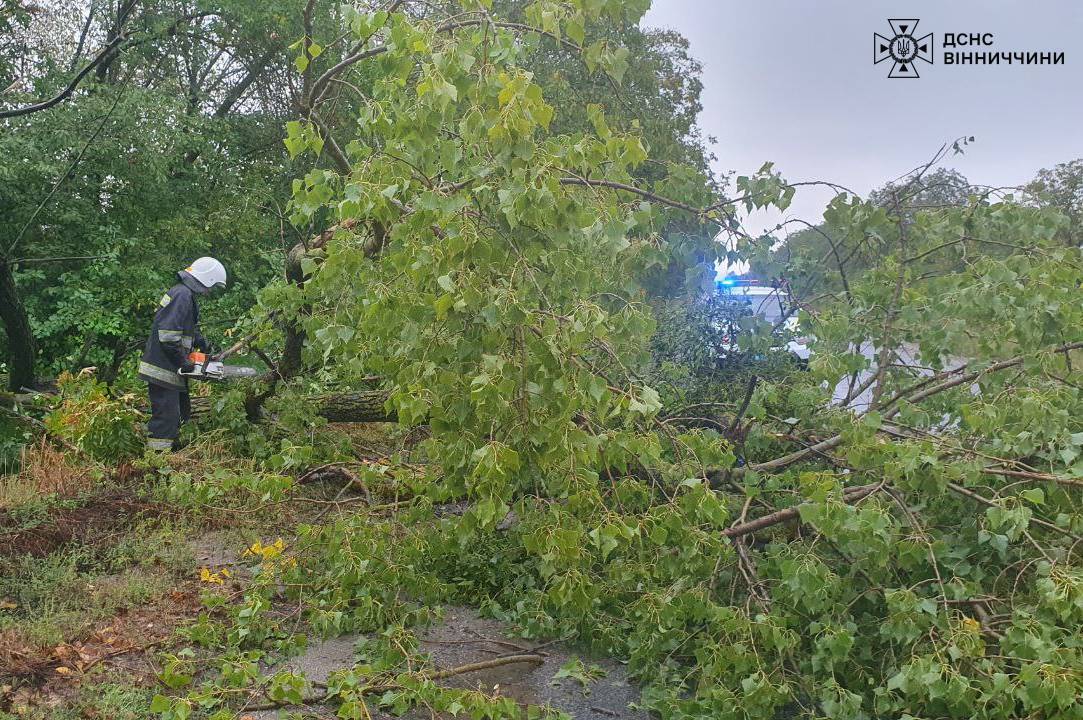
(1062,188)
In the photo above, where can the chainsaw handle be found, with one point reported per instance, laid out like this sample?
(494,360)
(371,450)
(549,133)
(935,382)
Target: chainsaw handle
(198,361)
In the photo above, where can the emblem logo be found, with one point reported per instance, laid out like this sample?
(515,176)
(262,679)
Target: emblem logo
(904,50)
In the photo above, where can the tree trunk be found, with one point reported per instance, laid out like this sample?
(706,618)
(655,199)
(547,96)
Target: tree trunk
(122,348)
(106,70)
(358,407)
(21,350)
(363,406)
(290,364)
(237,91)
(80,360)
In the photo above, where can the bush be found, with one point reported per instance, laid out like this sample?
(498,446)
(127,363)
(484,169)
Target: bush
(13,435)
(89,418)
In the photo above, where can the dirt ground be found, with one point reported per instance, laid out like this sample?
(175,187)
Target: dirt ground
(126,647)
(97,517)
(123,647)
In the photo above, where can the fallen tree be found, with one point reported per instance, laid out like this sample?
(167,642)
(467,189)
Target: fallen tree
(355,407)
(846,564)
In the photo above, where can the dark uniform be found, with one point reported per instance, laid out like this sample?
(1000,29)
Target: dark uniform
(174,334)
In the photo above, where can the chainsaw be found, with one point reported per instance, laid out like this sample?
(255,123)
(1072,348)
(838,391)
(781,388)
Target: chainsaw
(206,367)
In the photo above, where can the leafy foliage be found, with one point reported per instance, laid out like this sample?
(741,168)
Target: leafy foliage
(708,349)
(1062,188)
(121,243)
(106,428)
(496,255)
(147,162)
(903,566)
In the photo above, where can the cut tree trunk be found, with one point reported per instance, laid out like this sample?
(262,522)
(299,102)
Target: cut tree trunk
(363,406)
(357,407)
(368,406)
(21,348)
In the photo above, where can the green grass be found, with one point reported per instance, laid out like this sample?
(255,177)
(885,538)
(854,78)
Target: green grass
(112,698)
(57,599)
(62,595)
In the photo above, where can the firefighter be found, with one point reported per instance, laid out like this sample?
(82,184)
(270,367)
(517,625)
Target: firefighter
(174,334)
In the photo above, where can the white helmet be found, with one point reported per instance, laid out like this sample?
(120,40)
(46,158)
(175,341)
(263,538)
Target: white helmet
(209,272)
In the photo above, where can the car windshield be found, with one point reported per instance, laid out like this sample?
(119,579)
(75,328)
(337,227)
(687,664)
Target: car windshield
(767,306)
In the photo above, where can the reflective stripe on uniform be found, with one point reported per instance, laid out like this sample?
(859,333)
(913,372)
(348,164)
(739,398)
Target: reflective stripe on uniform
(187,341)
(159,444)
(170,336)
(167,376)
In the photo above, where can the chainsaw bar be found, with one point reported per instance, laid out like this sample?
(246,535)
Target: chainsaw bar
(230,372)
(215,370)
(212,368)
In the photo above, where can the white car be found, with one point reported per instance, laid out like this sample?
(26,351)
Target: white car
(770,304)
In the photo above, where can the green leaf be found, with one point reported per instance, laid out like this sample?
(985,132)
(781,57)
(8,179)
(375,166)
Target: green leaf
(442,305)
(575,31)
(1035,496)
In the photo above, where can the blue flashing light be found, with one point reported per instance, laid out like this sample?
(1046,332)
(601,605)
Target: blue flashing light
(728,282)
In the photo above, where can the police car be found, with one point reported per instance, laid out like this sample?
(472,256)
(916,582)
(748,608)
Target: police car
(771,304)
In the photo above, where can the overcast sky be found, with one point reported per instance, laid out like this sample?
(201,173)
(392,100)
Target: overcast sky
(793,81)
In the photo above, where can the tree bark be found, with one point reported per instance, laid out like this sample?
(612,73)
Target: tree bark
(290,365)
(21,346)
(294,343)
(357,407)
(122,348)
(237,92)
(363,406)
(106,71)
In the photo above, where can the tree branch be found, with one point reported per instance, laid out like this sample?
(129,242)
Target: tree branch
(64,94)
(849,495)
(833,442)
(965,492)
(238,90)
(333,148)
(972,376)
(104,55)
(82,39)
(632,189)
(429,675)
(38,261)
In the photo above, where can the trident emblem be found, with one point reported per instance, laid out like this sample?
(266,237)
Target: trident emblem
(904,50)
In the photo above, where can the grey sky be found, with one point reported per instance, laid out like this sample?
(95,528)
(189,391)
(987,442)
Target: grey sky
(793,81)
